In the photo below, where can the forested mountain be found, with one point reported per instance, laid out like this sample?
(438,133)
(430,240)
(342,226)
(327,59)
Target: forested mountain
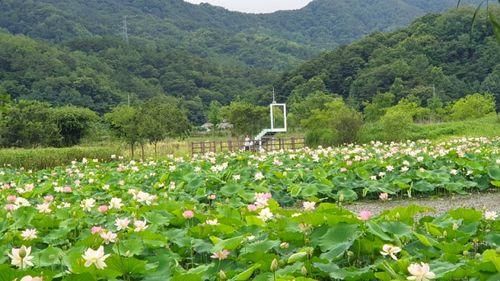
(437,55)
(278,40)
(100,73)
(73,51)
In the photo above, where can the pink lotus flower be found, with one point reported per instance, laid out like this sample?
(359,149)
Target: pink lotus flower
(383,196)
(252,208)
(11,198)
(102,209)
(48,198)
(212,196)
(188,214)
(67,189)
(365,215)
(220,255)
(10,207)
(96,229)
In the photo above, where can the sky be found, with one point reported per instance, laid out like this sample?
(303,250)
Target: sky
(256,6)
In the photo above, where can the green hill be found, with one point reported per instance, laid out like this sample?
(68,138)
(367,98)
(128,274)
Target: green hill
(273,41)
(436,54)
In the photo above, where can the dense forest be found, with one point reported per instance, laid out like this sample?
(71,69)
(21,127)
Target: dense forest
(74,53)
(272,41)
(437,55)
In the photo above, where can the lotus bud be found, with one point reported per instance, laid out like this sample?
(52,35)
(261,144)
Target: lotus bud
(274,265)
(22,252)
(350,253)
(341,197)
(284,245)
(222,275)
(465,253)
(303,270)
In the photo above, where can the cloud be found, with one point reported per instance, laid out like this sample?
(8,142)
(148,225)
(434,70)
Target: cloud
(256,6)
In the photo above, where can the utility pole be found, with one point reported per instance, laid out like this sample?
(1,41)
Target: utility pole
(125,30)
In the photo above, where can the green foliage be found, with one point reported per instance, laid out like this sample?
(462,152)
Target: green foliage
(43,158)
(437,55)
(73,123)
(254,229)
(335,124)
(378,106)
(124,120)
(472,106)
(28,124)
(246,118)
(161,118)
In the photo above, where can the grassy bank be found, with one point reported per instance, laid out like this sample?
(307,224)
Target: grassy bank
(40,158)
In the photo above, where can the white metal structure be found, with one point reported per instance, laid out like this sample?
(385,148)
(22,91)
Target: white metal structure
(273,130)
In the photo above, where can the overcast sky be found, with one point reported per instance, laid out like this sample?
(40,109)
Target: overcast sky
(256,6)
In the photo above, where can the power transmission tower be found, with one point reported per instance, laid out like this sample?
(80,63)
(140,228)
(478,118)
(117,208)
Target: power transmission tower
(125,30)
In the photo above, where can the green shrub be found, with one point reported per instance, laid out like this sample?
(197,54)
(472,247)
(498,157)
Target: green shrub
(473,106)
(335,124)
(41,158)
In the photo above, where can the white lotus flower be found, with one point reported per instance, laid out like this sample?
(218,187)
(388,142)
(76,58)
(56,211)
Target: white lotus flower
(309,206)
(390,250)
(490,215)
(96,257)
(212,222)
(31,278)
(122,223)
(265,214)
(420,272)
(21,257)
(108,236)
(88,204)
(29,234)
(115,203)
(140,225)
(43,208)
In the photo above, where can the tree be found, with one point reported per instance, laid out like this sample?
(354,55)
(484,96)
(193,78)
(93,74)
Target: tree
(335,124)
(247,119)
(28,124)
(473,106)
(72,123)
(214,116)
(376,109)
(124,120)
(160,118)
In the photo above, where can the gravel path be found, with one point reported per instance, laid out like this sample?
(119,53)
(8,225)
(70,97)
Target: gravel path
(482,201)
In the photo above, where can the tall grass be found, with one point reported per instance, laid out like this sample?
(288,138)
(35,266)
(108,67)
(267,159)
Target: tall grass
(41,158)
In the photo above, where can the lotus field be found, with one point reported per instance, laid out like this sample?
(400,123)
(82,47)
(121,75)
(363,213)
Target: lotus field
(264,216)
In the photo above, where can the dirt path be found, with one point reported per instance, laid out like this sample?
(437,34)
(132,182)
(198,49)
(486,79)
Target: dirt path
(482,201)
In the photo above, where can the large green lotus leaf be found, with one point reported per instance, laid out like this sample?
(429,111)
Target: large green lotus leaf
(443,268)
(290,269)
(347,195)
(78,277)
(129,247)
(231,189)
(337,239)
(398,229)
(493,239)
(126,265)
(378,231)
(404,214)
(245,275)
(260,246)
(468,215)
(423,186)
(152,239)
(494,173)
(49,256)
(352,273)
(493,257)
(228,244)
